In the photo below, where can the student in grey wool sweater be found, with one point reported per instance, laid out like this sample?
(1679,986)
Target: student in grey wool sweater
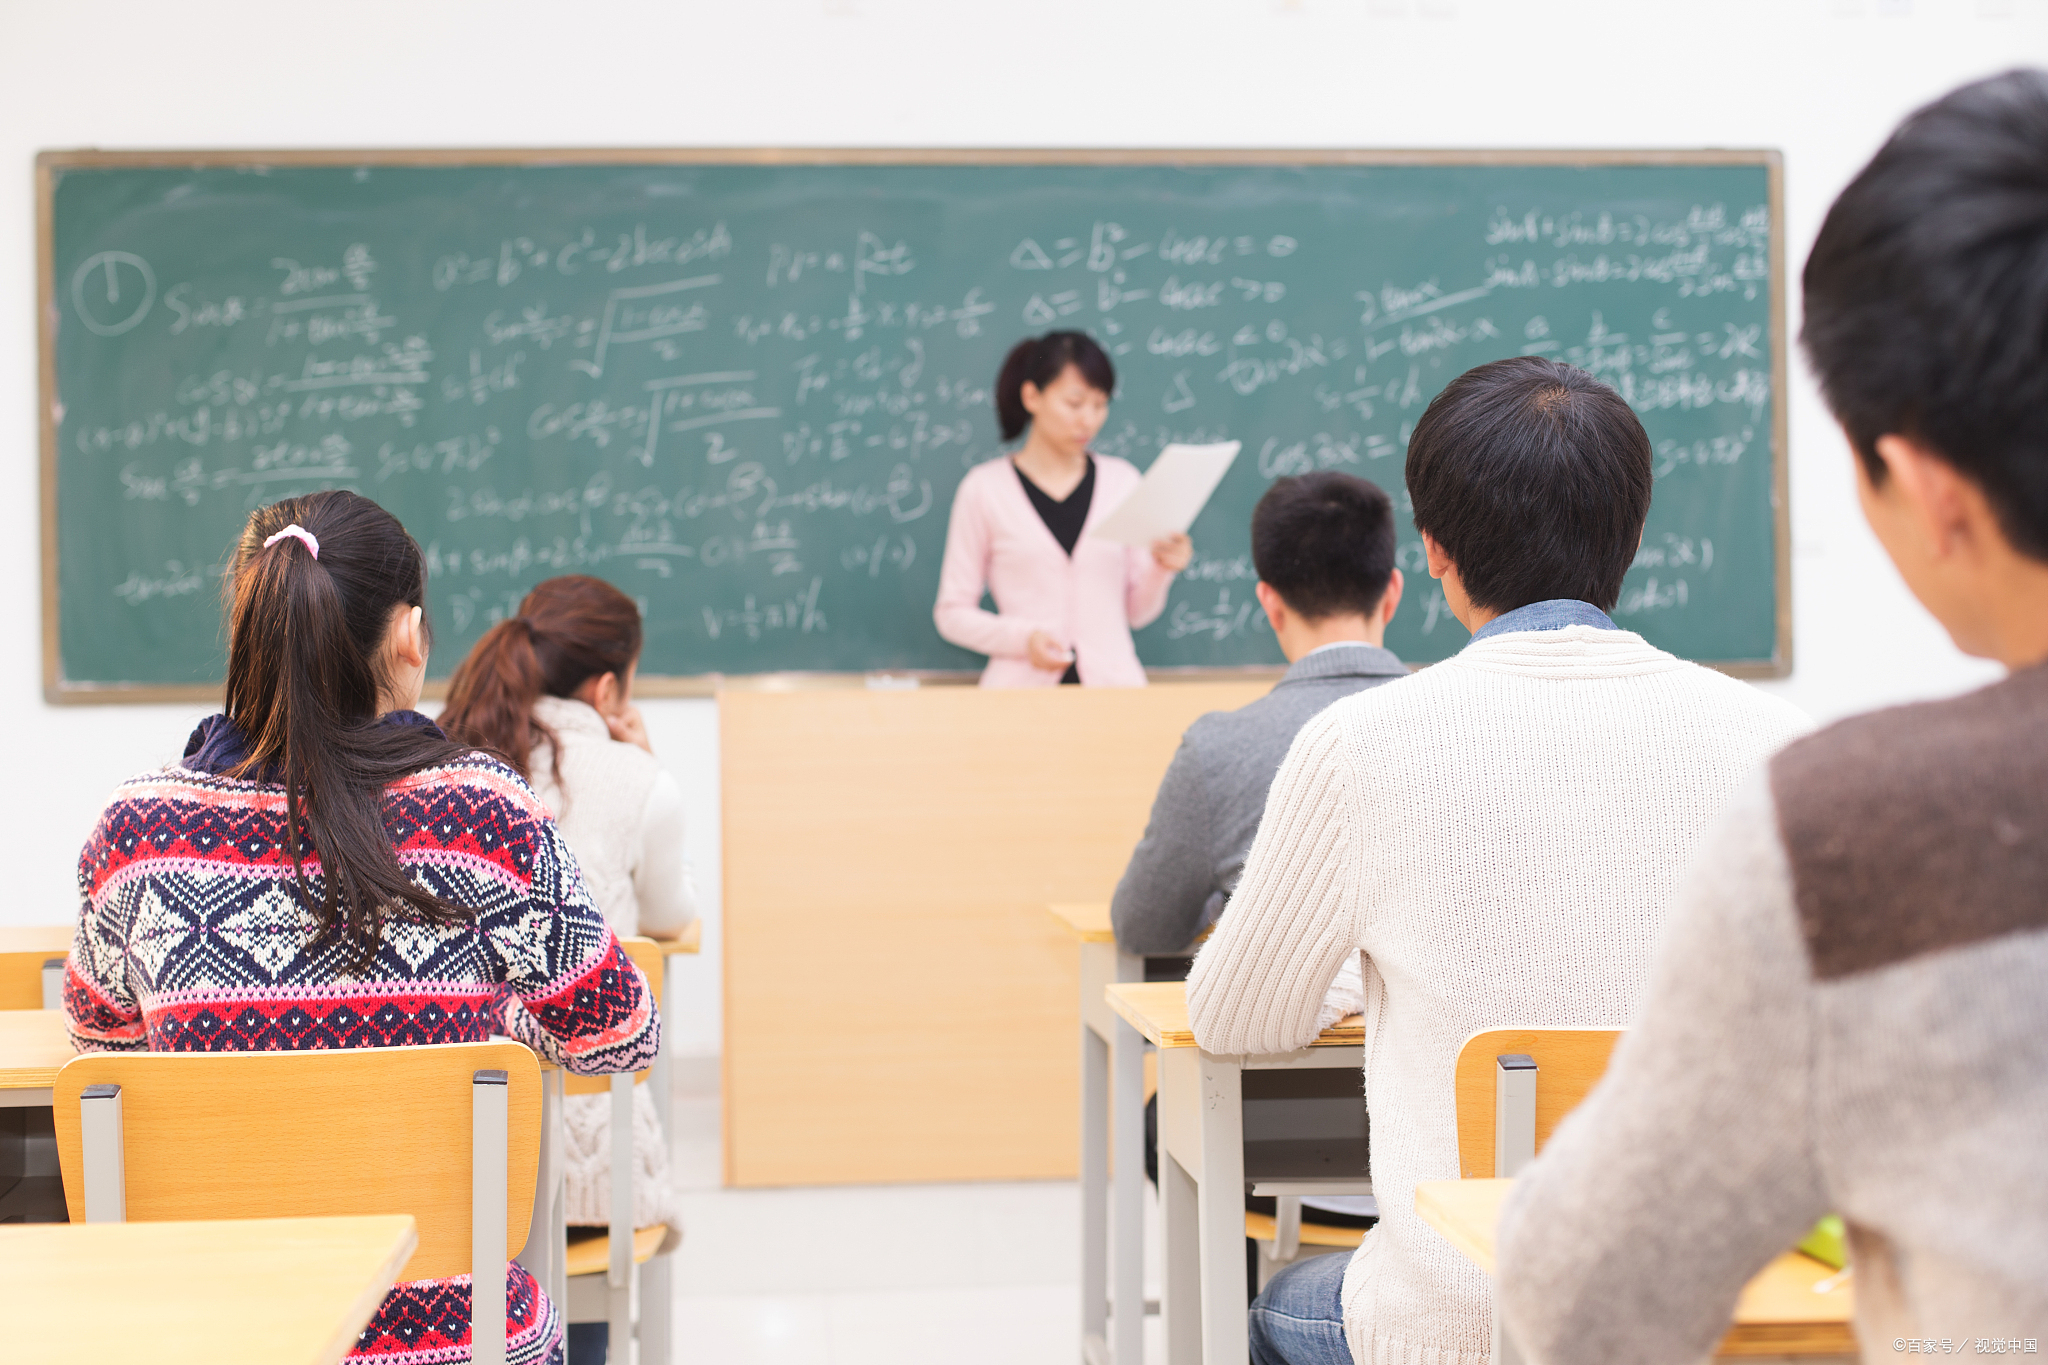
(1323,547)
(1847,1013)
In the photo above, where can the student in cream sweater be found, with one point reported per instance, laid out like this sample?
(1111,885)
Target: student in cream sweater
(551,690)
(1492,840)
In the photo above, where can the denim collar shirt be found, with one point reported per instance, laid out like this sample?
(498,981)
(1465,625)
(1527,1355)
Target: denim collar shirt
(1555,614)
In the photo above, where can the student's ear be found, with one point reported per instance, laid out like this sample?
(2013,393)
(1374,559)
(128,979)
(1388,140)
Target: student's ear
(407,638)
(1947,513)
(1031,396)
(1273,602)
(1390,600)
(1439,562)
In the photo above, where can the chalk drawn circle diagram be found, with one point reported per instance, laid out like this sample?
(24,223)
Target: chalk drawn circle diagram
(113,291)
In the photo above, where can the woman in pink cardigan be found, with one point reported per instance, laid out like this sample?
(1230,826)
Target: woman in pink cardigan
(1065,603)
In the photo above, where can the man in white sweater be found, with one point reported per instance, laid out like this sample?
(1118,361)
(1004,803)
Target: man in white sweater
(1497,836)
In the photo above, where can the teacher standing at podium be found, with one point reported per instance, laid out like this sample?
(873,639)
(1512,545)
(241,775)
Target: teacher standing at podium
(1065,604)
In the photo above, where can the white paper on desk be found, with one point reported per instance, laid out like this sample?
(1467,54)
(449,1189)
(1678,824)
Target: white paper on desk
(1171,496)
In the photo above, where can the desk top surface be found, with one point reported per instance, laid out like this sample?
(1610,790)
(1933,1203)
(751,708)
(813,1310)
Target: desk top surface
(1088,923)
(1159,1010)
(1783,1304)
(248,1290)
(53,940)
(33,1044)
(691,940)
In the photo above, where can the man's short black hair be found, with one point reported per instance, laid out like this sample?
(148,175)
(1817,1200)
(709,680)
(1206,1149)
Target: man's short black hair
(1325,543)
(1535,479)
(1927,296)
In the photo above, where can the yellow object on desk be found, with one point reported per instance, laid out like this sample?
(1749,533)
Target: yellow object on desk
(1159,1010)
(294,1290)
(1783,1311)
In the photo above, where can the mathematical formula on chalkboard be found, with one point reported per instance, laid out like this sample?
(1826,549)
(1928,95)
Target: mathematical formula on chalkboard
(746,392)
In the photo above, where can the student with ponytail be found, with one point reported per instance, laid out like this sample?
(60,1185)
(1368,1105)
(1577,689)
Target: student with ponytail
(325,868)
(1065,604)
(551,691)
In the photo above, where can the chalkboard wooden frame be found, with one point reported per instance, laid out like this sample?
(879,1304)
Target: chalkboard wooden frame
(50,164)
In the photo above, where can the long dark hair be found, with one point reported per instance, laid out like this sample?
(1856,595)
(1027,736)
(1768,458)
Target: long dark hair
(305,660)
(1038,361)
(568,631)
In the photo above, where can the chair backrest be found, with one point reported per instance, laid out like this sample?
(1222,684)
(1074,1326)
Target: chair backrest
(1568,1063)
(651,958)
(311,1134)
(26,952)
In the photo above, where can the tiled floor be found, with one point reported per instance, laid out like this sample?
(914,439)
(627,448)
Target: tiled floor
(861,1275)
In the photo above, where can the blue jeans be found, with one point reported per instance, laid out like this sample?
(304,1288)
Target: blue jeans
(1299,1319)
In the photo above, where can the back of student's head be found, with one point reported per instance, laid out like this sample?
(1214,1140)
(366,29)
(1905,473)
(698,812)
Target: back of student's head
(1926,296)
(309,617)
(1534,477)
(1325,543)
(1038,361)
(568,631)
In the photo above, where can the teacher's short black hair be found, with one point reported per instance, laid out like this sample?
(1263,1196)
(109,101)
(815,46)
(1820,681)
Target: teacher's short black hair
(1325,543)
(1927,296)
(1535,479)
(1038,361)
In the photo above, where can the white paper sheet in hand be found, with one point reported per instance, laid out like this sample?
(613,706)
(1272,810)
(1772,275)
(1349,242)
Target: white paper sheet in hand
(1171,496)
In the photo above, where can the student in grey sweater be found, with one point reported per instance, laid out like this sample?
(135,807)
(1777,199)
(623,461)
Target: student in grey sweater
(1323,547)
(1848,1012)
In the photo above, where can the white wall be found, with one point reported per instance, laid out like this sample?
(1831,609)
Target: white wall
(1822,79)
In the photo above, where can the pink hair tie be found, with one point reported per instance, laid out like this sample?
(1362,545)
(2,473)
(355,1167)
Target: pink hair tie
(297,532)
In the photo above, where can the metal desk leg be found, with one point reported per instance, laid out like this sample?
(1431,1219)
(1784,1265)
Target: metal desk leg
(1127,1194)
(1094,1195)
(1181,1284)
(1220,1210)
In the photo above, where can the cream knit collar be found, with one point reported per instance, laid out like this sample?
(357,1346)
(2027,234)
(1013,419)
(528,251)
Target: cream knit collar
(1567,652)
(566,715)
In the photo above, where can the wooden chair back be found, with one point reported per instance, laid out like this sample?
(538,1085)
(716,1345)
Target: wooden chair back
(23,951)
(311,1134)
(1569,1063)
(650,957)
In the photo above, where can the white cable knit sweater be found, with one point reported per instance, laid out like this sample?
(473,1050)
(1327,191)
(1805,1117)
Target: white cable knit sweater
(1499,835)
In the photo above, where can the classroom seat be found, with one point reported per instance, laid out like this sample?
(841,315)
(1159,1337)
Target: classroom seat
(1514,1086)
(605,1274)
(32,966)
(190,1136)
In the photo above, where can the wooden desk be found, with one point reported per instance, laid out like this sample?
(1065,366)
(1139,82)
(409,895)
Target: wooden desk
(249,1290)
(1112,1099)
(1783,1311)
(1201,1164)
(33,1044)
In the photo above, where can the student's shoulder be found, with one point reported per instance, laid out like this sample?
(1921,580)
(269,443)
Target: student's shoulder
(487,785)
(1920,827)
(1743,698)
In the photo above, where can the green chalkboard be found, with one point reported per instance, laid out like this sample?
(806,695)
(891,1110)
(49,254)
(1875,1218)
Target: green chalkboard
(743,386)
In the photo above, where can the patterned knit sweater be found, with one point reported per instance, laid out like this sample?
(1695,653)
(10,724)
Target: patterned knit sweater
(1498,835)
(192,937)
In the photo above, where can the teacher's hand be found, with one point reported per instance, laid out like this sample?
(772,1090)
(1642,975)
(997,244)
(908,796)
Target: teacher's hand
(1047,653)
(1173,552)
